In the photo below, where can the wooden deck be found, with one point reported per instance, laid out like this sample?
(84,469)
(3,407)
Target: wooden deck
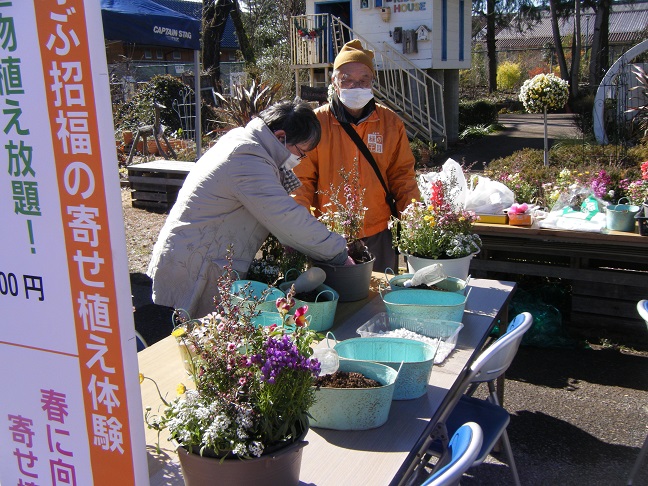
(156,184)
(608,273)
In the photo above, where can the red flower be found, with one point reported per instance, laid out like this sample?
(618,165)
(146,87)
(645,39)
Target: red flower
(300,316)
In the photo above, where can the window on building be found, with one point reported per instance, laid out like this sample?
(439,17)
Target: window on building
(176,55)
(148,54)
(159,54)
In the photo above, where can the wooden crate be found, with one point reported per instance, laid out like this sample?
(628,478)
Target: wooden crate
(608,273)
(156,184)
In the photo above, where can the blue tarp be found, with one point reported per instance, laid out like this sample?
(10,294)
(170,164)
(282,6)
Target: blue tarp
(146,22)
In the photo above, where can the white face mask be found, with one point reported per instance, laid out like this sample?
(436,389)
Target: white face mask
(290,162)
(355,98)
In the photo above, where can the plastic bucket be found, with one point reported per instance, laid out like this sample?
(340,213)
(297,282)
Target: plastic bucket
(416,357)
(351,282)
(256,290)
(322,311)
(355,408)
(452,267)
(425,304)
(620,217)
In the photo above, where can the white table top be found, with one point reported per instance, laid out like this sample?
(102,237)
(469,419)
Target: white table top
(345,457)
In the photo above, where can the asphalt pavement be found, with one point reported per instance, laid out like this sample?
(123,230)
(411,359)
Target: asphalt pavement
(520,131)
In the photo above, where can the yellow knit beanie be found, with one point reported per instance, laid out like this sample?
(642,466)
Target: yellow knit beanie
(353,52)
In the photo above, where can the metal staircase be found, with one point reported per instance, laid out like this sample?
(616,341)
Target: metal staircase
(399,84)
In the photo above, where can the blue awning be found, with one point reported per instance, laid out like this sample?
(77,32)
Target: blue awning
(146,22)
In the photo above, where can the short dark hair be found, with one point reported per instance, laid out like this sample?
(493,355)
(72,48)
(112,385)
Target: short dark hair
(297,119)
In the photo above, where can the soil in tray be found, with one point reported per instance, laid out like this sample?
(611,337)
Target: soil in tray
(346,379)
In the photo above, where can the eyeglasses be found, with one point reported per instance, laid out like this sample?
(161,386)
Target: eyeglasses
(299,151)
(346,83)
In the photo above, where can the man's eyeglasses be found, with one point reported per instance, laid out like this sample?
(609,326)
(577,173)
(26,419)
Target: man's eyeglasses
(346,83)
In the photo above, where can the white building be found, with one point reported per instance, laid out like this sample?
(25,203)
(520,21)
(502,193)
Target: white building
(419,45)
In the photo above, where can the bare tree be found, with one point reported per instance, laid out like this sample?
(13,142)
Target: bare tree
(214,18)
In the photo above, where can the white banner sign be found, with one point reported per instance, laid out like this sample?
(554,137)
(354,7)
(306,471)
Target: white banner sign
(70,412)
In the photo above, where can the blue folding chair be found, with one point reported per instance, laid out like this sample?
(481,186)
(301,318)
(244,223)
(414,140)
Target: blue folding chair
(462,451)
(491,417)
(642,308)
(140,342)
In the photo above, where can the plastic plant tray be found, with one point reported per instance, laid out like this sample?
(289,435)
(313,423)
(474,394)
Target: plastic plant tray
(447,332)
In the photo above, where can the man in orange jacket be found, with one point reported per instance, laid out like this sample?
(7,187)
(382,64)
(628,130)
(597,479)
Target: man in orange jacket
(383,133)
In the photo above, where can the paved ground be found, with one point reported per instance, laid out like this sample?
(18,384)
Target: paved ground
(578,415)
(520,131)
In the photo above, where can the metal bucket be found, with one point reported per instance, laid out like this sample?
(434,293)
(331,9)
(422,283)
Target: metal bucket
(355,408)
(416,358)
(425,304)
(322,311)
(268,295)
(620,217)
(351,282)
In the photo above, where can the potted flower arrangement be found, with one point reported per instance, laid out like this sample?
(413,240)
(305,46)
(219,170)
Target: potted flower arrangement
(252,387)
(436,230)
(344,214)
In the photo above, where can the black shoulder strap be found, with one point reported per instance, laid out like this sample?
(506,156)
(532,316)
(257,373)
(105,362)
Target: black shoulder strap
(365,151)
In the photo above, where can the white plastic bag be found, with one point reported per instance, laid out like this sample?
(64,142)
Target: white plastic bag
(488,196)
(450,169)
(577,209)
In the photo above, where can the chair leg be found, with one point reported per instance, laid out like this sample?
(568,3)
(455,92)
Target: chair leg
(509,455)
(637,464)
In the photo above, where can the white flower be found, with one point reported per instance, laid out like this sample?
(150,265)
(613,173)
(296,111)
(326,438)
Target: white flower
(256,448)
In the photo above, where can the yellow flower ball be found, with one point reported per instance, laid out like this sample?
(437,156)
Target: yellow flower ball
(181,389)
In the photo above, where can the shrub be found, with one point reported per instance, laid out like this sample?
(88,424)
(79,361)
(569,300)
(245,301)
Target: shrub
(509,75)
(524,173)
(480,112)
(139,110)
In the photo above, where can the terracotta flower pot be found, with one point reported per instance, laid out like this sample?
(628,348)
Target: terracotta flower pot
(127,136)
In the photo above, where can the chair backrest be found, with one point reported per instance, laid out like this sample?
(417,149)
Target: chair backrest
(642,308)
(496,359)
(463,449)
(140,341)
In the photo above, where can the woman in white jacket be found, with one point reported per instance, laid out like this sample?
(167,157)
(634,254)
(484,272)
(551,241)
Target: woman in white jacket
(236,194)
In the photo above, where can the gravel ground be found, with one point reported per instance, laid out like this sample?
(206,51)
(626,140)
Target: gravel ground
(578,416)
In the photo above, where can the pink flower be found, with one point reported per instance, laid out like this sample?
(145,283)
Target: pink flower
(300,316)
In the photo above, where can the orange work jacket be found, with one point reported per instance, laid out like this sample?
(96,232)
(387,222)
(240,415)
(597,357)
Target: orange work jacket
(384,134)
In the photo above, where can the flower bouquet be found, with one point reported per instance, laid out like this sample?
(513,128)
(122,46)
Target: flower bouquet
(436,228)
(252,385)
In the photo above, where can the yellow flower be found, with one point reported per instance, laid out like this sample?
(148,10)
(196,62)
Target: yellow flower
(413,200)
(179,332)
(181,389)
(141,378)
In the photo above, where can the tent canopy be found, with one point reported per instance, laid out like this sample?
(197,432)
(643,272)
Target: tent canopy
(146,22)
